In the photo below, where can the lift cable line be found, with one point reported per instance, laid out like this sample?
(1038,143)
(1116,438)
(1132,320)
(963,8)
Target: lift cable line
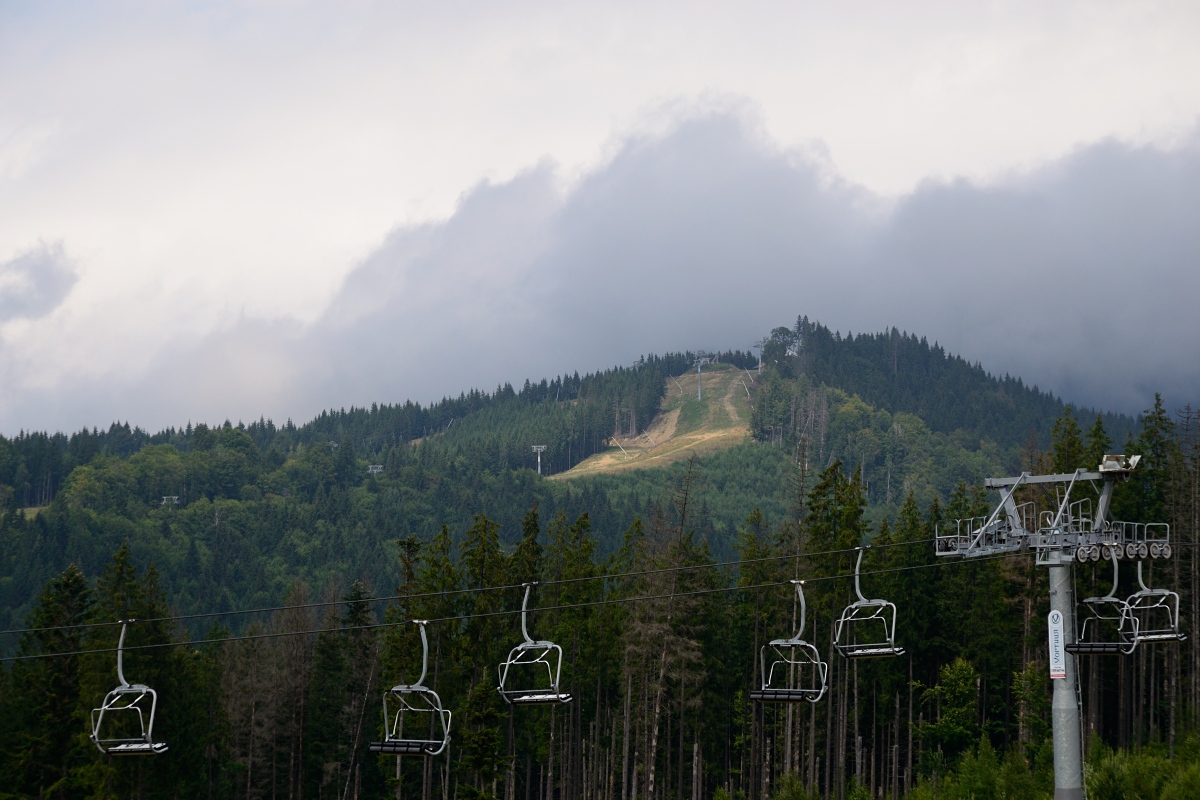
(479,589)
(421,595)
(505,612)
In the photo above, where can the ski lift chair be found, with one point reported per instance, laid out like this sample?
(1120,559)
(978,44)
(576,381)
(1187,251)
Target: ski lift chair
(1156,612)
(526,657)
(418,707)
(1110,628)
(801,671)
(118,736)
(866,628)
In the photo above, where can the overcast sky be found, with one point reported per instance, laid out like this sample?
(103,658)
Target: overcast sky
(213,211)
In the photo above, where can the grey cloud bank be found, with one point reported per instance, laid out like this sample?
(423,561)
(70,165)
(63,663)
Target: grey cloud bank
(34,283)
(1080,276)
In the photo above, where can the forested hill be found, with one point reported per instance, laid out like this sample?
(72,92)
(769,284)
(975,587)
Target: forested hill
(901,372)
(571,415)
(232,514)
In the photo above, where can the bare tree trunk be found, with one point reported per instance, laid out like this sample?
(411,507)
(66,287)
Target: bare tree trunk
(909,765)
(250,747)
(830,707)
(812,749)
(652,754)
(510,774)
(696,772)
(625,740)
(682,723)
(550,757)
(896,750)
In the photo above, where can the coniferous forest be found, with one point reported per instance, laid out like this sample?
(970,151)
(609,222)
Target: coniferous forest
(275,571)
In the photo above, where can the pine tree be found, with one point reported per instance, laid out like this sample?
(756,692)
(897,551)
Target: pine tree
(1098,443)
(43,734)
(1066,443)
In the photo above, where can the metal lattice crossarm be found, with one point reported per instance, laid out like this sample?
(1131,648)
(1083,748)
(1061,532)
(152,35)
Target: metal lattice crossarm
(1074,529)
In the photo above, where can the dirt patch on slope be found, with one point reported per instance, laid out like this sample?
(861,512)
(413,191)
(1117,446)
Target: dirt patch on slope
(725,424)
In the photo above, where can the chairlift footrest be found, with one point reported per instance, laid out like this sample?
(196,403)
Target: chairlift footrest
(785,695)
(536,698)
(870,652)
(405,747)
(1097,649)
(136,749)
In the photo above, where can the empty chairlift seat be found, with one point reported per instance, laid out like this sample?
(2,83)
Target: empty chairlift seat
(866,628)
(530,675)
(414,721)
(1156,612)
(123,725)
(796,672)
(1109,626)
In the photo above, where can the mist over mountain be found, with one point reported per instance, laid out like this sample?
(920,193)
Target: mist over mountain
(1076,275)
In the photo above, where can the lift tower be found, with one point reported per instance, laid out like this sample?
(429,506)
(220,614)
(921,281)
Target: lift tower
(1072,532)
(702,358)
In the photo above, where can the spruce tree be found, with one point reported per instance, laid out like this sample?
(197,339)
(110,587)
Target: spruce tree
(1066,443)
(44,737)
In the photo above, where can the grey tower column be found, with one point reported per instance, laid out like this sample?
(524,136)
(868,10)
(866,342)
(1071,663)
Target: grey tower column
(1064,708)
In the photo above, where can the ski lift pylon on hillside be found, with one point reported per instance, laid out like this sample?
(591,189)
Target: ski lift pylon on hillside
(866,628)
(419,709)
(1110,628)
(113,728)
(1156,612)
(530,653)
(796,671)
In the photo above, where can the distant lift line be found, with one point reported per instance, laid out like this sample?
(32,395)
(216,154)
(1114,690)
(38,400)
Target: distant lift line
(538,448)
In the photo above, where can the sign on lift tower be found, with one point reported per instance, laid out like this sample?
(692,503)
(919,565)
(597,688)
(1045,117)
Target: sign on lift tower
(1074,531)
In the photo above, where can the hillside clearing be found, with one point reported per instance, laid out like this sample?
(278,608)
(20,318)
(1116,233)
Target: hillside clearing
(683,426)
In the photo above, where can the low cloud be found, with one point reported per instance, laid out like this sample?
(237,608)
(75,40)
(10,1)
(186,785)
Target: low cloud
(1079,276)
(34,283)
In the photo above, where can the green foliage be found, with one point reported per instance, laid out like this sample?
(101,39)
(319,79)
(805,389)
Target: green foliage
(955,705)
(789,787)
(1126,776)
(1067,444)
(1184,785)
(692,414)
(265,511)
